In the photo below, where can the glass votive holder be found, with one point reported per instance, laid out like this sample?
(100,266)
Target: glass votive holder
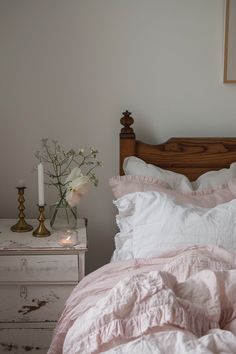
(67,238)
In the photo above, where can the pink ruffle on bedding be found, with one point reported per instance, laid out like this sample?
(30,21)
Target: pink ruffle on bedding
(188,296)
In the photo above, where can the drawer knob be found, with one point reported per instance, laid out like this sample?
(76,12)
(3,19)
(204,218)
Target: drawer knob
(24,264)
(23,292)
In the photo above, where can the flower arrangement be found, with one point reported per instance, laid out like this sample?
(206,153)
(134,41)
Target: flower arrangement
(69,171)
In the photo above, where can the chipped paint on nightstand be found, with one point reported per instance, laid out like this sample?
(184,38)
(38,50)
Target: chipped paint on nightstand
(36,278)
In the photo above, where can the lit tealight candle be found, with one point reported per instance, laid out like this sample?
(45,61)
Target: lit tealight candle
(67,238)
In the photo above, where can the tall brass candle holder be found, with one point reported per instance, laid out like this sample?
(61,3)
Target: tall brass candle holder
(21,225)
(41,230)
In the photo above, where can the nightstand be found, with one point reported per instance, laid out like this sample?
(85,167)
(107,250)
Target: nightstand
(36,277)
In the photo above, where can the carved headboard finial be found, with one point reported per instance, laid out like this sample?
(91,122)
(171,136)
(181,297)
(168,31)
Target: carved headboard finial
(126,120)
(127,139)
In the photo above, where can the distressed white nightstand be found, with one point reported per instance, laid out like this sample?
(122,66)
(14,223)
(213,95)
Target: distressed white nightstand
(36,277)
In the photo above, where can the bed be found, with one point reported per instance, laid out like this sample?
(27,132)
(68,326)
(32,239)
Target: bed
(170,286)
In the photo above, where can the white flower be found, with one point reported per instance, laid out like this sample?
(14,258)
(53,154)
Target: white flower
(77,186)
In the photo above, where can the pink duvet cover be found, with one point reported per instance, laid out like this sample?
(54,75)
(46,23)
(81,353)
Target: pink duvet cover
(184,302)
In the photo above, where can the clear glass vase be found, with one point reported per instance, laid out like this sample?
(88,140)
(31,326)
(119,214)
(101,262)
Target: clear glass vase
(62,216)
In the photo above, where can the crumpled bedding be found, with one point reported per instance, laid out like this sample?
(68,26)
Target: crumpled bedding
(183,302)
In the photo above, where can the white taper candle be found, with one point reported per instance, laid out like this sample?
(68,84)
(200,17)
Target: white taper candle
(40,184)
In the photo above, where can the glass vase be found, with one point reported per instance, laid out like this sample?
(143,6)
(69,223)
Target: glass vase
(62,216)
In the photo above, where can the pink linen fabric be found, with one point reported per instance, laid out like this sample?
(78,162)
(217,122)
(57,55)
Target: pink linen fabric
(186,295)
(122,185)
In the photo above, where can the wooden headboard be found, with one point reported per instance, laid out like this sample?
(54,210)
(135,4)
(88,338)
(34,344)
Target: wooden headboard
(189,156)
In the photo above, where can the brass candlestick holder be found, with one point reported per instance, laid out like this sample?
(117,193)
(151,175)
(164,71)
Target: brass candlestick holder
(21,225)
(41,230)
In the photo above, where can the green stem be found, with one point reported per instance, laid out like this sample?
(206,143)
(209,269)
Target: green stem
(67,166)
(57,207)
(91,169)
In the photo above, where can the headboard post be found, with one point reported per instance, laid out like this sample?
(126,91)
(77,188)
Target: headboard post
(127,138)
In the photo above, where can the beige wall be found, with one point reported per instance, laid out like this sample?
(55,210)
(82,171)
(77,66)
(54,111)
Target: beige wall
(69,67)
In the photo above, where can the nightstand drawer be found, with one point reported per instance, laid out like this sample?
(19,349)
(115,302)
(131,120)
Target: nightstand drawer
(33,303)
(21,341)
(39,268)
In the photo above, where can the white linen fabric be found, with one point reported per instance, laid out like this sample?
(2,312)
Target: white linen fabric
(151,224)
(179,342)
(209,180)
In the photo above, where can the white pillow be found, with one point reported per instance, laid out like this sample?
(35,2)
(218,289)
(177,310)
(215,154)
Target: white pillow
(123,247)
(209,180)
(153,224)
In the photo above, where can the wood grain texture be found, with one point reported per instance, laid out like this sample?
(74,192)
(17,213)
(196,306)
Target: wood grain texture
(189,156)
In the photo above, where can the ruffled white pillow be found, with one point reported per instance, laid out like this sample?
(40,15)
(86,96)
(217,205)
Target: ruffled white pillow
(209,180)
(153,224)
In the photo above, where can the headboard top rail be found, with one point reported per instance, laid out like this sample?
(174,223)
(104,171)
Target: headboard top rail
(191,156)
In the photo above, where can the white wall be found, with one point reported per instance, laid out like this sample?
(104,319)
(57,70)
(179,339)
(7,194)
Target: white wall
(69,68)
